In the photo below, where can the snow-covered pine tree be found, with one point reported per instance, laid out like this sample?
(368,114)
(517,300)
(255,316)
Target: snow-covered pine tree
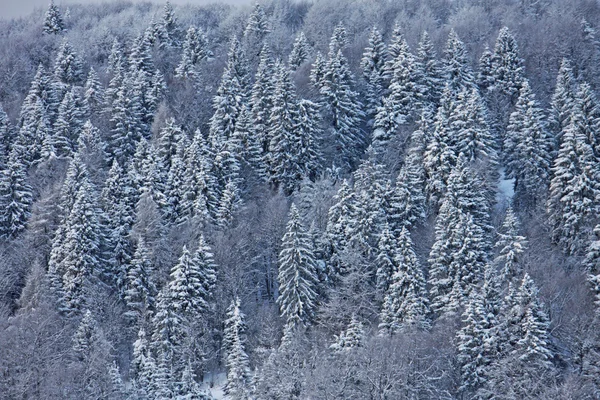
(317,72)
(352,337)
(228,205)
(339,39)
(68,124)
(524,365)
(234,350)
(405,304)
(81,249)
(507,66)
(385,261)
(167,32)
(195,50)
(286,171)
(574,190)
(339,219)
(527,148)
(53,22)
(310,135)
(68,68)
(457,67)
(510,246)
(459,253)
(563,99)
(297,274)
(474,137)
(84,336)
(372,65)
(485,75)
(592,266)
(126,125)
(344,108)
(93,93)
(140,290)
(16,196)
(168,330)
(480,336)
(429,71)
(404,92)
(257,28)
(301,52)
(439,156)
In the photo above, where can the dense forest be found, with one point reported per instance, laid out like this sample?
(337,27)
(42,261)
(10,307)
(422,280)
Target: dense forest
(294,199)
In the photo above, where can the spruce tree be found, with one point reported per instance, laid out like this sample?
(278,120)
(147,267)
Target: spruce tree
(16,196)
(93,93)
(286,141)
(344,107)
(140,291)
(404,92)
(592,266)
(53,22)
(563,100)
(485,75)
(386,262)
(68,124)
(68,68)
(574,190)
(84,336)
(527,147)
(457,67)
(195,50)
(429,71)
(257,27)
(372,65)
(297,274)
(507,65)
(405,303)
(510,245)
(234,348)
(81,249)
(351,338)
(229,203)
(300,52)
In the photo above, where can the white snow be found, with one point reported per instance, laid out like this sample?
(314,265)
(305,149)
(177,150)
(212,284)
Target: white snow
(214,384)
(506,189)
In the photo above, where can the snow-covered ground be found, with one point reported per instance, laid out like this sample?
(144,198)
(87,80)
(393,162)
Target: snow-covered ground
(213,384)
(506,189)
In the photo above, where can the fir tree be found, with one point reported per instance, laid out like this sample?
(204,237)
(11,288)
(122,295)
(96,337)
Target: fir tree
(386,261)
(592,266)
(485,75)
(236,359)
(404,91)
(563,100)
(195,50)
(351,338)
(168,329)
(257,27)
(405,303)
(81,249)
(510,246)
(53,22)
(429,70)
(457,67)
(16,196)
(373,64)
(93,93)
(507,65)
(317,73)
(68,68)
(297,273)
(574,190)
(527,146)
(344,107)
(140,290)
(480,336)
(286,171)
(300,52)
(228,205)
(68,124)
(339,39)
(84,336)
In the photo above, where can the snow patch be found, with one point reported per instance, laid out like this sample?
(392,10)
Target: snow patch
(214,384)
(506,189)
